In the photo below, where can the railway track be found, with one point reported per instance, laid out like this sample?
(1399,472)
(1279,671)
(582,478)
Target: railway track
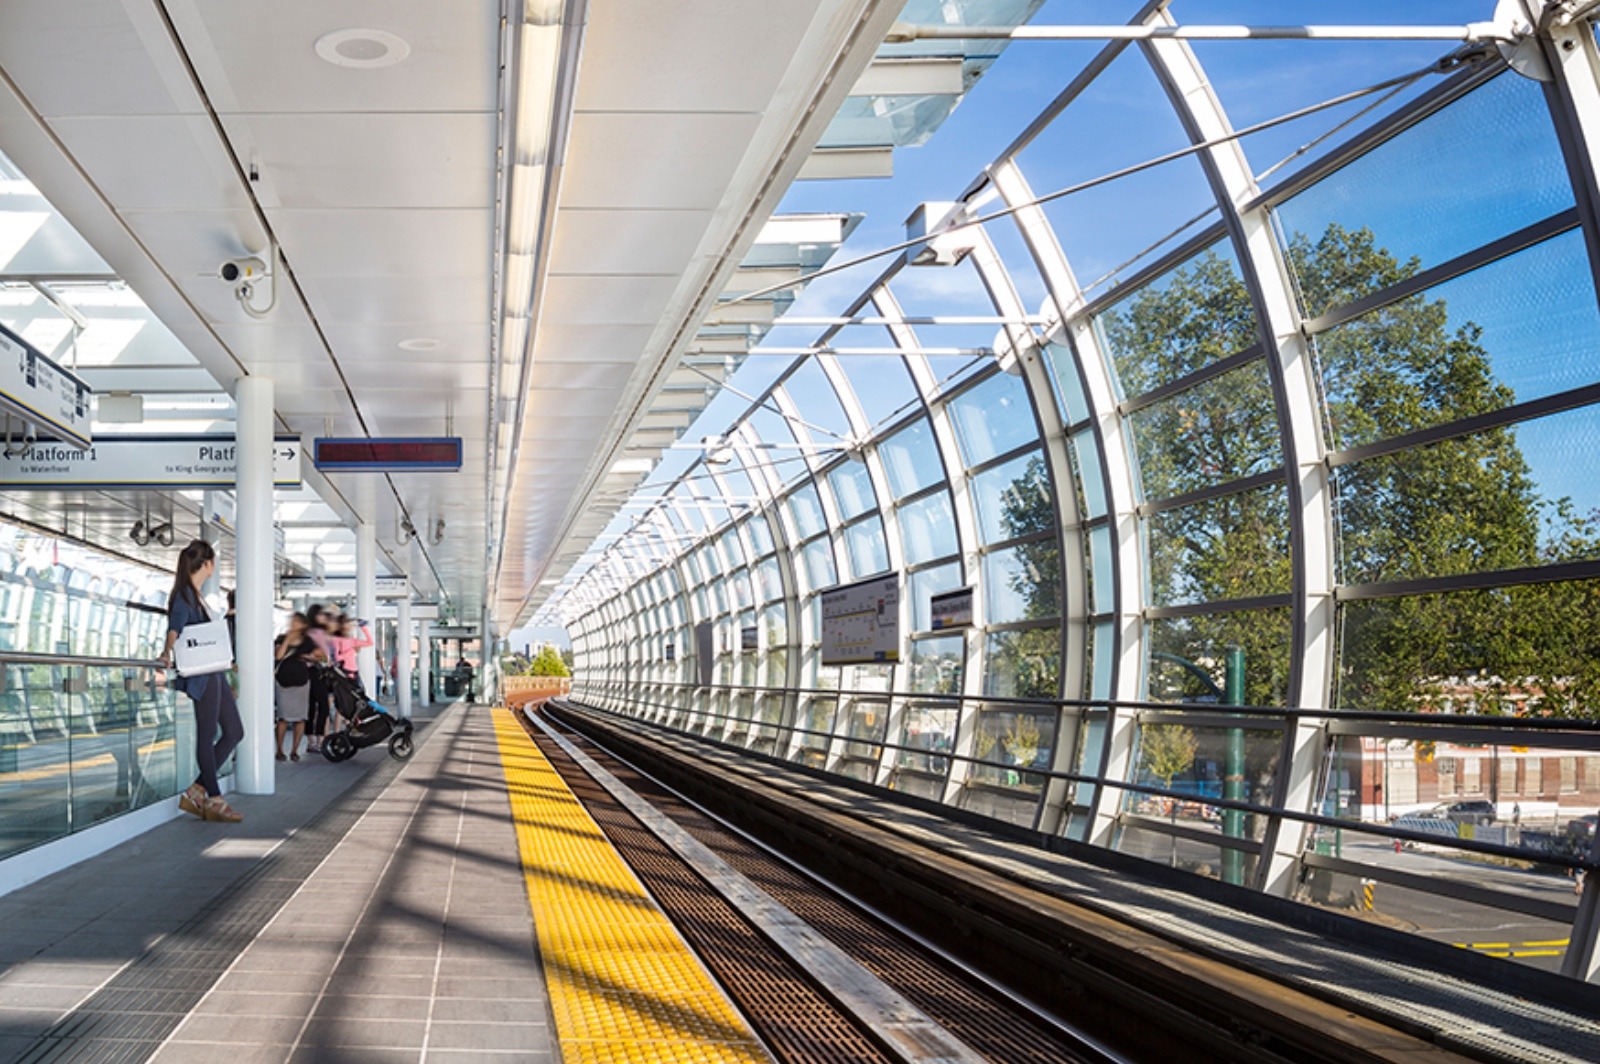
(1015,974)
(893,999)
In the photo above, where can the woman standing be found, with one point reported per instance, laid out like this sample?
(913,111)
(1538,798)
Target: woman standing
(214,705)
(292,675)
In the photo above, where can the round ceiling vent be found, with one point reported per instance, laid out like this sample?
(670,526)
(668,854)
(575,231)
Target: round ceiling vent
(420,343)
(362,49)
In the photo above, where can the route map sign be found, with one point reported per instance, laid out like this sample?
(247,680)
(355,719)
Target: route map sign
(861,622)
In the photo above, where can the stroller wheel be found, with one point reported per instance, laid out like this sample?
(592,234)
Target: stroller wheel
(401,747)
(338,747)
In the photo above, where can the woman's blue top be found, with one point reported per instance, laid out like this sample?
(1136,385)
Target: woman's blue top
(180,614)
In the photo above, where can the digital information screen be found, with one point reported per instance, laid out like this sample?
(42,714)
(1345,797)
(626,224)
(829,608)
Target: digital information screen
(387,455)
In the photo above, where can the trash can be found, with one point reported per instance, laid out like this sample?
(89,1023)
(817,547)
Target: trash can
(452,687)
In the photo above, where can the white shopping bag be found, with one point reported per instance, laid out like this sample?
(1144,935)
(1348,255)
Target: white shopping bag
(202,649)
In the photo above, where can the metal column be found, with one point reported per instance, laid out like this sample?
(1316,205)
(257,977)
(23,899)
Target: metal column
(253,767)
(425,662)
(402,654)
(367,600)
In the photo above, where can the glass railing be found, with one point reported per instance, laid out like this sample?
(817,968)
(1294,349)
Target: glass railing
(85,739)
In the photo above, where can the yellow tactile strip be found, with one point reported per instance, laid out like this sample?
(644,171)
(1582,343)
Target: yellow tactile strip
(623,984)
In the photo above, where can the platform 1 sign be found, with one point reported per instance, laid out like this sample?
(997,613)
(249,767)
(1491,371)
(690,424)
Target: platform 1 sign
(121,462)
(48,397)
(861,622)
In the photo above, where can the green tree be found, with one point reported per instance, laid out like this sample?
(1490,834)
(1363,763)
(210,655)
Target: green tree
(1466,504)
(548,662)
(1027,662)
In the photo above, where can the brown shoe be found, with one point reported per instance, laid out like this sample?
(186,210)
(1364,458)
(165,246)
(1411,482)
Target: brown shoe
(217,809)
(193,800)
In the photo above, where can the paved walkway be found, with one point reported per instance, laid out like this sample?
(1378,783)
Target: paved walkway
(366,912)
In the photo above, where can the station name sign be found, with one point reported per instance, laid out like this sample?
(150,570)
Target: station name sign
(45,395)
(122,462)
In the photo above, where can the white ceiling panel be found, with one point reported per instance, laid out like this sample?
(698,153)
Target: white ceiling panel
(616,343)
(632,242)
(571,403)
(262,58)
(368,161)
(602,301)
(666,160)
(416,300)
(388,243)
(682,52)
(195,173)
(580,375)
(276,344)
(414,379)
(88,58)
(458,343)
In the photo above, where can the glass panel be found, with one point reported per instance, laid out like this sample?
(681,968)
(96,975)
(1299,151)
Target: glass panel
(993,418)
(1013,740)
(817,562)
(1518,329)
(1023,664)
(1508,498)
(1498,650)
(868,551)
(1229,548)
(911,459)
(812,394)
(760,534)
(852,489)
(928,729)
(1103,227)
(1100,556)
(1188,656)
(1012,500)
(1022,583)
(1218,431)
(771,580)
(936,665)
(807,511)
(1182,321)
(1091,473)
(927,528)
(882,383)
(1070,399)
(1411,201)
(922,586)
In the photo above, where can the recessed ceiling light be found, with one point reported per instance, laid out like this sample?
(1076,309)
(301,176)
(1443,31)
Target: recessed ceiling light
(420,343)
(362,49)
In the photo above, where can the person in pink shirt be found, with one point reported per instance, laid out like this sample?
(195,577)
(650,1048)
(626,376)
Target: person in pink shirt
(347,638)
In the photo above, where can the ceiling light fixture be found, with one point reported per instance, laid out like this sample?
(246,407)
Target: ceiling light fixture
(420,343)
(362,49)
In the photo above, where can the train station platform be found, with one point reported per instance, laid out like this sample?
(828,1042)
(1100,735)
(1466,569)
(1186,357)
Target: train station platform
(466,905)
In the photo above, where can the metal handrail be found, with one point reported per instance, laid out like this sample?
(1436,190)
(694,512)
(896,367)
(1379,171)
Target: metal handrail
(22,657)
(1573,861)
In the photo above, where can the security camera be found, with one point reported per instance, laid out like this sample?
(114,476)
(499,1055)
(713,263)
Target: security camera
(235,271)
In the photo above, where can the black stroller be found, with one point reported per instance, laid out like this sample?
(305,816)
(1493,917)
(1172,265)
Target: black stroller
(370,724)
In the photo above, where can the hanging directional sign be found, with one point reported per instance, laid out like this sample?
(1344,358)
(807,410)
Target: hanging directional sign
(41,393)
(114,462)
(342,586)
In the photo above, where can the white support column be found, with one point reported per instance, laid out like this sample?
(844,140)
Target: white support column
(367,599)
(253,767)
(425,663)
(489,668)
(402,654)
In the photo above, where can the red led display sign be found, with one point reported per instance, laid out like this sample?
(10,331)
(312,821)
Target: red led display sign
(387,455)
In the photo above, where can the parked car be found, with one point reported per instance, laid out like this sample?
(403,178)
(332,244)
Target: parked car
(1584,826)
(1474,812)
